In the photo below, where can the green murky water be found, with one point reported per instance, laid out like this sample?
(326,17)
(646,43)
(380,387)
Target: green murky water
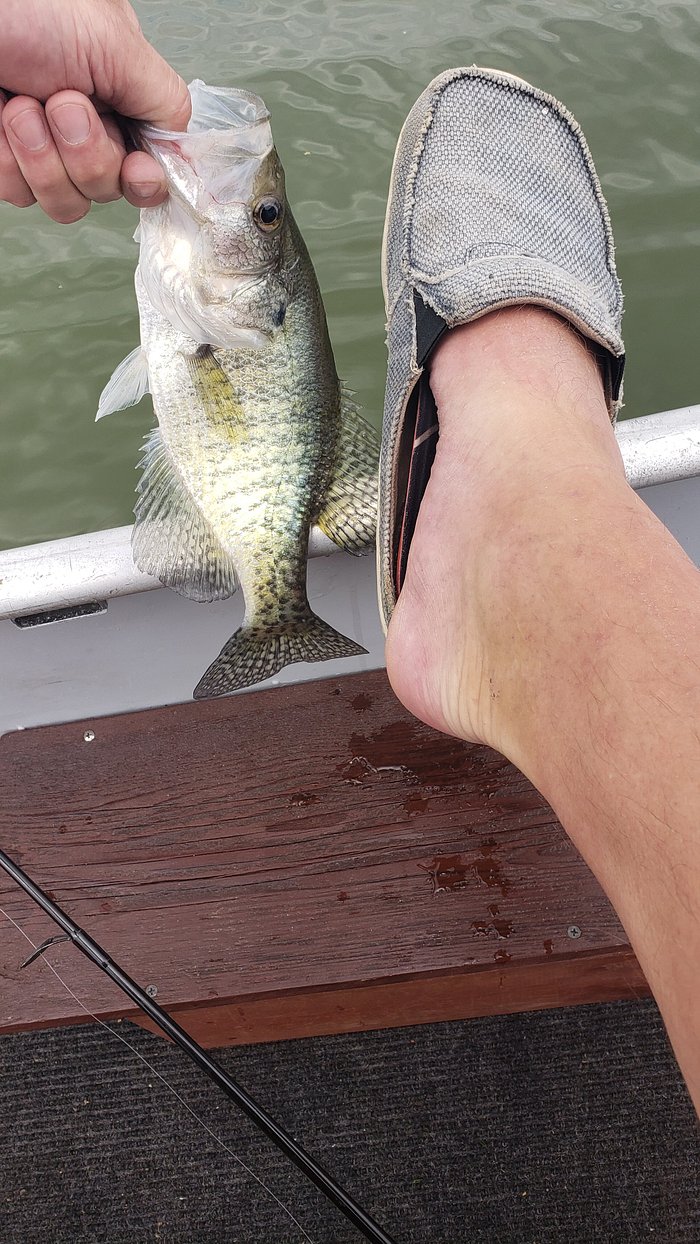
(339,77)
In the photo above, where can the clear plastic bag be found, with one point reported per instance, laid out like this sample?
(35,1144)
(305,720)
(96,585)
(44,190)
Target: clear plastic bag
(216,160)
(213,164)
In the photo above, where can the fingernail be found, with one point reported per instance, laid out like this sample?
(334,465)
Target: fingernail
(29,128)
(72,122)
(145,189)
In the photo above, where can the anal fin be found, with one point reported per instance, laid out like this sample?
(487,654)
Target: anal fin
(349,512)
(171,539)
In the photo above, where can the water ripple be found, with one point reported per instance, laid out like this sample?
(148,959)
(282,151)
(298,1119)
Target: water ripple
(339,77)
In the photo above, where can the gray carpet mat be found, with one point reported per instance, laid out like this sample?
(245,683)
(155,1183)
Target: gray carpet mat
(565,1126)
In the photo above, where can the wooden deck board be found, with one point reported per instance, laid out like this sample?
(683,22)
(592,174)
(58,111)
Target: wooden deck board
(308,859)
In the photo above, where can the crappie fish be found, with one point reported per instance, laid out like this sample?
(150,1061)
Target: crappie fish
(256,440)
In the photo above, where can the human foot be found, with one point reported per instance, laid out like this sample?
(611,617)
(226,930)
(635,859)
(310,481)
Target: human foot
(493,203)
(525,447)
(495,212)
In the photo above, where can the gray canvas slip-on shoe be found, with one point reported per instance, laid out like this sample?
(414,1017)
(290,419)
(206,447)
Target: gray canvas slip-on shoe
(493,202)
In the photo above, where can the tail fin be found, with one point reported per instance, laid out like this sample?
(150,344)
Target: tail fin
(253,654)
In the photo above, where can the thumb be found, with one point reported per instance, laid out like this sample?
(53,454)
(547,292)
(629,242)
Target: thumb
(143,86)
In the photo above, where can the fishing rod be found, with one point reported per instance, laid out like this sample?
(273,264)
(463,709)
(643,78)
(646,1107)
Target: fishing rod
(279,1137)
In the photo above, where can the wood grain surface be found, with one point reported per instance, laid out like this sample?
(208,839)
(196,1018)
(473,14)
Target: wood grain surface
(303,860)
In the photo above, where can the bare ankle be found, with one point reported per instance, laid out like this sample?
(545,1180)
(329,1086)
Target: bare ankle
(530,375)
(525,446)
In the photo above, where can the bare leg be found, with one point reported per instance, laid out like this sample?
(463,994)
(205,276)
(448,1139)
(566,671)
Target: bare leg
(548,613)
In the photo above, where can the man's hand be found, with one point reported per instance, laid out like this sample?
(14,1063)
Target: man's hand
(65,69)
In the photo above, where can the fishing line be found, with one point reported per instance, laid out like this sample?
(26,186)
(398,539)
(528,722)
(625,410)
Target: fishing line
(118,1036)
(354,1212)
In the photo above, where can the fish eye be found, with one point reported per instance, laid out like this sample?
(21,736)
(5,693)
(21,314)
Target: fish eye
(268,214)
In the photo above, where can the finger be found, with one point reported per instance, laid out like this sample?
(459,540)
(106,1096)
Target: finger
(144,86)
(143,180)
(40,164)
(13,187)
(90,157)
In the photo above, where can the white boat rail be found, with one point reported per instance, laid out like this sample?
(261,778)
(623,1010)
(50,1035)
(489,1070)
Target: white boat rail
(65,574)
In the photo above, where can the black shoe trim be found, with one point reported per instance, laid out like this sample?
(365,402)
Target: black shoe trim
(417,453)
(430,327)
(617,370)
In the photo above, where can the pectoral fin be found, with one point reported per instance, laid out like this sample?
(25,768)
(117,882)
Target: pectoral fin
(126,386)
(349,513)
(216,393)
(171,540)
